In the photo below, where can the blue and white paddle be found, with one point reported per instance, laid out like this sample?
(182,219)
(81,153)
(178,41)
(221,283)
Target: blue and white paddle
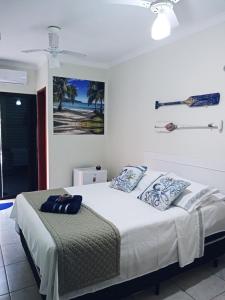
(194,101)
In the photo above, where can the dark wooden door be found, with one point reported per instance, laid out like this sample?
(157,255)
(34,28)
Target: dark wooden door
(41,139)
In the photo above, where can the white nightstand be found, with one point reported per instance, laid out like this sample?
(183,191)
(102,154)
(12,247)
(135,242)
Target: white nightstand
(88,175)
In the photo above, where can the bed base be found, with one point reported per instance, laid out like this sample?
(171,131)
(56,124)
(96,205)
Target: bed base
(214,248)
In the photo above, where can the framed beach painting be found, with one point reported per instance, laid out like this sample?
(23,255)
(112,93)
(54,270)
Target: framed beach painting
(78,106)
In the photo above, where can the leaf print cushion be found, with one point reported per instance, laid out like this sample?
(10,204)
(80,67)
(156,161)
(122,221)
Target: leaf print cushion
(128,178)
(162,192)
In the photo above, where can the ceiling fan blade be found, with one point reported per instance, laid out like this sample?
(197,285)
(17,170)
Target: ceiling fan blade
(53,50)
(172,18)
(72,53)
(141,3)
(33,50)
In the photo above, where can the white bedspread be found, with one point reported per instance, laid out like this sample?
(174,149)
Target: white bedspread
(190,237)
(150,239)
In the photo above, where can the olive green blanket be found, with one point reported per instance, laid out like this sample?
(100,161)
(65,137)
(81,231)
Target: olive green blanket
(87,245)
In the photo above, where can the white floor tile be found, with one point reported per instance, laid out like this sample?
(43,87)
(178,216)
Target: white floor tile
(9,236)
(200,284)
(221,273)
(3,282)
(5,297)
(220,297)
(169,291)
(19,276)
(6,224)
(26,294)
(13,253)
(6,212)
(220,270)
(1,259)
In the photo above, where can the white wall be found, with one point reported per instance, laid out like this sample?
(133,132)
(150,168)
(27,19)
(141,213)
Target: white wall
(69,151)
(42,77)
(188,67)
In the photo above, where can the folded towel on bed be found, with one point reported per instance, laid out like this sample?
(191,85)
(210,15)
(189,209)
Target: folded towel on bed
(63,199)
(65,204)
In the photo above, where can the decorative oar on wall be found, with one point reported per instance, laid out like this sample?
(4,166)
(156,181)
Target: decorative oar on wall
(194,101)
(169,127)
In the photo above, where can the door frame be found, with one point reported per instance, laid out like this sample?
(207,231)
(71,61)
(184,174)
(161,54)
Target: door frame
(42,139)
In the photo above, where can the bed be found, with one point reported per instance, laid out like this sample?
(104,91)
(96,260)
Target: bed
(143,260)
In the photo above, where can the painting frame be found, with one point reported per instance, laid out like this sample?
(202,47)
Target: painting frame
(78,106)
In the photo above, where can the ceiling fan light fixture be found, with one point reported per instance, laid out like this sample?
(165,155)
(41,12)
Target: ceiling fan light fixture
(161,27)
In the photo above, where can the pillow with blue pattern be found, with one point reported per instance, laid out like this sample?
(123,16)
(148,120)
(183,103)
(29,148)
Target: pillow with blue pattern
(128,178)
(162,192)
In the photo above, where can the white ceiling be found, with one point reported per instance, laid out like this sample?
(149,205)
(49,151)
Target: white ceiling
(107,33)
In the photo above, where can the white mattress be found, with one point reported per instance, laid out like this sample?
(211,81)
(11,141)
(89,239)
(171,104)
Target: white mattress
(148,236)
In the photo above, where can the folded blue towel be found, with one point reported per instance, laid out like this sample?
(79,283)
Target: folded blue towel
(66,198)
(62,204)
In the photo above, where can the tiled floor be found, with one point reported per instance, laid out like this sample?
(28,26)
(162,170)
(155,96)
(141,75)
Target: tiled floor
(17,282)
(16,279)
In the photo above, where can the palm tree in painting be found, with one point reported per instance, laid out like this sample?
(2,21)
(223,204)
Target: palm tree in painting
(95,94)
(59,90)
(91,94)
(100,95)
(71,92)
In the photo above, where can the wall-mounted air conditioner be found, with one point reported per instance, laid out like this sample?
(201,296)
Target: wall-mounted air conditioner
(13,76)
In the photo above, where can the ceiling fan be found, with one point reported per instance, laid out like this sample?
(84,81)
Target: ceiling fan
(53,50)
(164,9)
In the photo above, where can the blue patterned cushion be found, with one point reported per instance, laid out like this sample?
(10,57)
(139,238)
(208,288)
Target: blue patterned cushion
(128,178)
(161,193)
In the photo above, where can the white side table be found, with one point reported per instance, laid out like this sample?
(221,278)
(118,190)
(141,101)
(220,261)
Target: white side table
(88,175)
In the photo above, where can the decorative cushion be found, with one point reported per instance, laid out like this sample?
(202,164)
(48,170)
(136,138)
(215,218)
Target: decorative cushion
(162,192)
(128,178)
(194,196)
(149,177)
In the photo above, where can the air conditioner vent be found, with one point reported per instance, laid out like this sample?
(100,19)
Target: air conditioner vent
(13,76)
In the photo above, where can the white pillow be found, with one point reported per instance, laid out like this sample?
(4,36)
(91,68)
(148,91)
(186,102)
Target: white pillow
(215,197)
(149,177)
(194,196)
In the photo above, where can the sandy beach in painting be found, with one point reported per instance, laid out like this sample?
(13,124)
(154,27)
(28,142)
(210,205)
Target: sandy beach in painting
(77,122)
